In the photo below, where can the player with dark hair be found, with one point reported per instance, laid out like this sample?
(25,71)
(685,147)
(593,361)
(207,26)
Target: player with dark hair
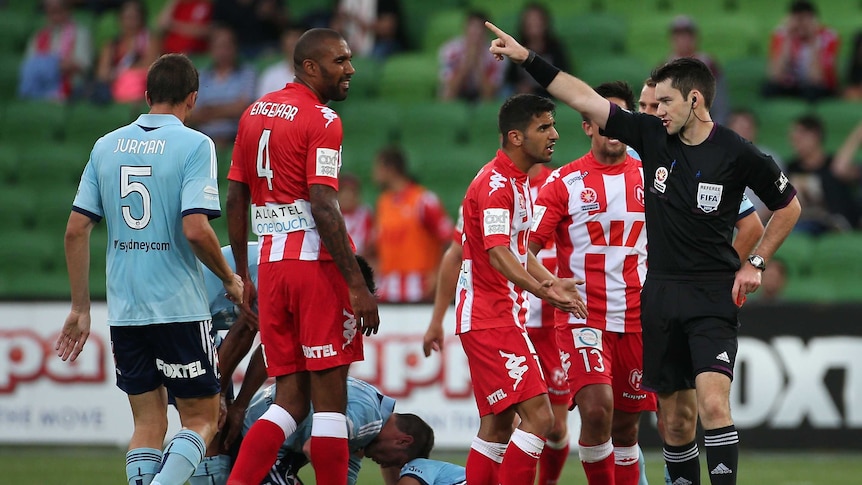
(496,271)
(154,182)
(695,172)
(592,208)
(313,302)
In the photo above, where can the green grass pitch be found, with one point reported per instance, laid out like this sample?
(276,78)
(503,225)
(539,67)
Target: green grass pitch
(97,466)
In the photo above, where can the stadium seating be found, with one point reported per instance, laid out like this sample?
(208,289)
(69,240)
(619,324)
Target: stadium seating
(409,78)
(839,117)
(9,65)
(592,36)
(744,78)
(441,27)
(86,123)
(775,118)
(33,121)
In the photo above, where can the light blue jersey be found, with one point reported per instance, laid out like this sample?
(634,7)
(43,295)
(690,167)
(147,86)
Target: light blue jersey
(433,472)
(745,207)
(367,410)
(224,312)
(143,179)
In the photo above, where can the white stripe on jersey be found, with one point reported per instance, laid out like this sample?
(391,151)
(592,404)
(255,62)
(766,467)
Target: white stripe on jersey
(465,283)
(213,159)
(310,246)
(276,249)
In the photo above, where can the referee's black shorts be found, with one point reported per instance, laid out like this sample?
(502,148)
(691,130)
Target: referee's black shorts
(690,326)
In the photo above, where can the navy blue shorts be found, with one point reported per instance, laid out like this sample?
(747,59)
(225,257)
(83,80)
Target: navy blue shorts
(180,356)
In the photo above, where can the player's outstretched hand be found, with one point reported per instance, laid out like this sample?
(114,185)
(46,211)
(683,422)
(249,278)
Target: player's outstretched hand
(569,287)
(433,339)
(73,336)
(506,45)
(234,289)
(364,310)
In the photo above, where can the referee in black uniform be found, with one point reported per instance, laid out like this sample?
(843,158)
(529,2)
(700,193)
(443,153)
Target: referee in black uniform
(695,172)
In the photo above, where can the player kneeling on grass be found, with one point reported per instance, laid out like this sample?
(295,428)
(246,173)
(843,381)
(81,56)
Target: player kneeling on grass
(377,432)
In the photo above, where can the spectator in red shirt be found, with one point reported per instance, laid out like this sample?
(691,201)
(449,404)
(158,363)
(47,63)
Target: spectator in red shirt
(802,56)
(184,25)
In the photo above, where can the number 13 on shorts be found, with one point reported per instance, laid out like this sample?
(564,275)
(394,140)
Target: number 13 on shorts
(588,343)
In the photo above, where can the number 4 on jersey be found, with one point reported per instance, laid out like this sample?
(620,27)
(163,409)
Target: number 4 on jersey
(263,165)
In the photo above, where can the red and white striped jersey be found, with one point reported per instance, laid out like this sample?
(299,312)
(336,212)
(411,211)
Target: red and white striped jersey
(360,227)
(595,213)
(287,141)
(541,314)
(497,212)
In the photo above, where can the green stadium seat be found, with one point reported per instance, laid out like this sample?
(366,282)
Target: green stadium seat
(620,68)
(364,83)
(16,26)
(444,123)
(23,252)
(18,208)
(105,28)
(8,165)
(648,38)
(592,35)
(9,67)
(775,118)
(55,165)
(88,122)
(54,208)
(443,25)
(836,263)
(482,128)
(26,121)
(730,36)
(416,15)
(368,126)
(744,77)
(840,117)
(409,78)
(796,253)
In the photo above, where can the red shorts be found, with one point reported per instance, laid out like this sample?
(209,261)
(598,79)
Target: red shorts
(615,359)
(545,342)
(306,322)
(503,367)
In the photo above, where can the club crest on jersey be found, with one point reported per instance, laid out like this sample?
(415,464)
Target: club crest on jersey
(639,194)
(522,207)
(661,174)
(708,196)
(589,199)
(636,376)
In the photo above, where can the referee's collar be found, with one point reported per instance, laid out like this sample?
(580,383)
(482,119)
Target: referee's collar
(156,121)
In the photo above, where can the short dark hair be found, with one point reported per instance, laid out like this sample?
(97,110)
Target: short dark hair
(803,6)
(686,74)
(615,89)
(394,158)
(367,274)
(812,123)
(649,82)
(310,45)
(519,110)
(171,78)
(422,433)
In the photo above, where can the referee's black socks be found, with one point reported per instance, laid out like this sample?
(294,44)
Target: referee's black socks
(683,464)
(722,454)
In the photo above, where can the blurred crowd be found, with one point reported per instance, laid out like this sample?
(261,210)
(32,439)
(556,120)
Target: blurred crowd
(244,48)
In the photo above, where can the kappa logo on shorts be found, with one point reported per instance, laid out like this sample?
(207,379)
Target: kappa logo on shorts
(349,329)
(565,365)
(636,376)
(515,366)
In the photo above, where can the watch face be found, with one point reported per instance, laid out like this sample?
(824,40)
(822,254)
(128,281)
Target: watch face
(757,262)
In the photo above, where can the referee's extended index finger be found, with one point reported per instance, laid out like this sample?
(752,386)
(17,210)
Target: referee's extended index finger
(496,30)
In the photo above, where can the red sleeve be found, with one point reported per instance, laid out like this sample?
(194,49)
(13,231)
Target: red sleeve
(549,209)
(775,43)
(458,230)
(323,159)
(495,204)
(434,216)
(829,57)
(237,163)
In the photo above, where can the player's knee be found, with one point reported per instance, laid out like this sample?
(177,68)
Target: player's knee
(559,430)
(626,435)
(596,415)
(714,408)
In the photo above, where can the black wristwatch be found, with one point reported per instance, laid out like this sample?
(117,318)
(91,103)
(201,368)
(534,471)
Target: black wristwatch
(757,261)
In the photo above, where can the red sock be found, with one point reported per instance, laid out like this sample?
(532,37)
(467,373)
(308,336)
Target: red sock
(551,463)
(257,453)
(481,470)
(522,456)
(329,456)
(600,472)
(626,468)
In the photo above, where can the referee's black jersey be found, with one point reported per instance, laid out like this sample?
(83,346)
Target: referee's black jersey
(692,193)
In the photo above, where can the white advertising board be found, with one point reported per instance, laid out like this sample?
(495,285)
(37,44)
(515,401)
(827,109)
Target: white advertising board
(45,400)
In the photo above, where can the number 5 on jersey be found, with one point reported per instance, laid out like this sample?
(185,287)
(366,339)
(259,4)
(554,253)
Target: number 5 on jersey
(128,187)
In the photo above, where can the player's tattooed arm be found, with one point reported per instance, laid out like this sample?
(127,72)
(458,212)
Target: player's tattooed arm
(333,234)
